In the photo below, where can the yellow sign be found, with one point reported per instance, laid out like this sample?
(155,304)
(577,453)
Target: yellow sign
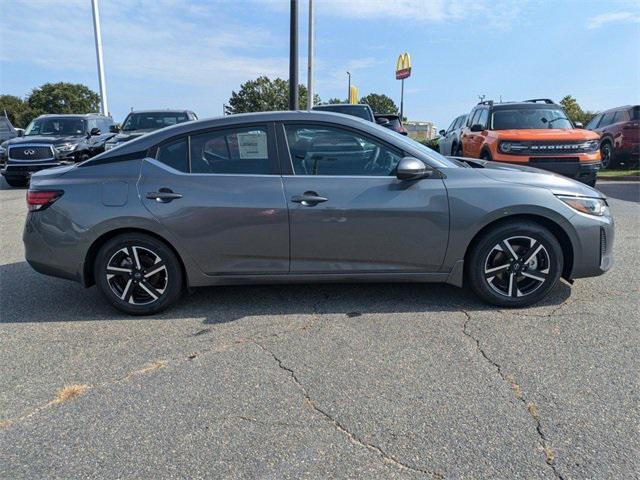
(403,66)
(353,94)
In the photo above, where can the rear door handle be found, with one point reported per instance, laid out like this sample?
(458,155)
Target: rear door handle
(308,199)
(164,195)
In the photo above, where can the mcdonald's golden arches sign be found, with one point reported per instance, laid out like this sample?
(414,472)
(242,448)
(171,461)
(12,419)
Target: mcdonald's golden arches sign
(403,66)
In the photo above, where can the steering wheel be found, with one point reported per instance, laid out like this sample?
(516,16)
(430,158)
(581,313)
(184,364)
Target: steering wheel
(372,165)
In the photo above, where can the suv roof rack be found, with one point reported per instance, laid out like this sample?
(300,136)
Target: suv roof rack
(486,102)
(540,100)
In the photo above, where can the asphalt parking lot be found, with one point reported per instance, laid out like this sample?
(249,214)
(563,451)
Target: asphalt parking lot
(321,381)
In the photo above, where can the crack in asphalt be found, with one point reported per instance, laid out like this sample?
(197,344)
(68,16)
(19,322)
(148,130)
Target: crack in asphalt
(531,407)
(353,437)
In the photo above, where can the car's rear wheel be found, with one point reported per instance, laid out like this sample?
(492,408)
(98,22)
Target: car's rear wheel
(138,274)
(459,151)
(485,155)
(17,181)
(515,265)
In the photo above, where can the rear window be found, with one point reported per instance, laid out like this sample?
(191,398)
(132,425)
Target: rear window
(529,118)
(153,120)
(635,113)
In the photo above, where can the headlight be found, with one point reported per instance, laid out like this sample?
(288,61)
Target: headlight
(66,147)
(589,146)
(590,206)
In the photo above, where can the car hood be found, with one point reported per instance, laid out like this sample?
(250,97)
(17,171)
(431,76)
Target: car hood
(126,136)
(547,134)
(533,177)
(44,139)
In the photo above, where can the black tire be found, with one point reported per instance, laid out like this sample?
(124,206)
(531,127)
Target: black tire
(590,180)
(459,152)
(130,289)
(454,150)
(485,155)
(607,155)
(18,182)
(521,284)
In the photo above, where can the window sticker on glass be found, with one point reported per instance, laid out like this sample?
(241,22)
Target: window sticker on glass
(252,145)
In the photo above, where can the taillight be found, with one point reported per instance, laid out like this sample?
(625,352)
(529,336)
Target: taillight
(40,199)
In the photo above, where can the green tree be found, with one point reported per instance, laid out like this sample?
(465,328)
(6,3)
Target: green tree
(264,95)
(335,100)
(380,103)
(17,110)
(575,112)
(64,97)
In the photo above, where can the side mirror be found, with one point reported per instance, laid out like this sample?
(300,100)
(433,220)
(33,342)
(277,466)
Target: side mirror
(20,132)
(94,131)
(442,132)
(114,129)
(410,168)
(382,121)
(579,125)
(476,128)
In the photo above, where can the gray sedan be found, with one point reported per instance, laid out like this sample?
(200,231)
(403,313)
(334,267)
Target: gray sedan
(307,197)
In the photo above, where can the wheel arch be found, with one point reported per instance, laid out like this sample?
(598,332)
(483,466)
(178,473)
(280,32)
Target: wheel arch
(88,277)
(568,249)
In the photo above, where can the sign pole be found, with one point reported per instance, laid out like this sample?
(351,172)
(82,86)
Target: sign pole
(310,60)
(98,38)
(293,57)
(402,100)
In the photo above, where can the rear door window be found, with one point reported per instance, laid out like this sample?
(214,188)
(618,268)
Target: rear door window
(240,151)
(175,154)
(622,116)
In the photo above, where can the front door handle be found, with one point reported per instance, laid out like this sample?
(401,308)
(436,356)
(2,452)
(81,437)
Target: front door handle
(164,195)
(308,199)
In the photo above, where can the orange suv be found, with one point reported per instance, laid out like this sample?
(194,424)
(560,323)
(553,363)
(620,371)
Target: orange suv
(536,133)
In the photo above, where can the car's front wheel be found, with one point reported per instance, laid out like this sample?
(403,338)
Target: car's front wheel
(515,265)
(138,274)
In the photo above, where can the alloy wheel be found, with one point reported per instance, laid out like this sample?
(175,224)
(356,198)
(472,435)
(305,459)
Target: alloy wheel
(517,266)
(137,275)
(605,154)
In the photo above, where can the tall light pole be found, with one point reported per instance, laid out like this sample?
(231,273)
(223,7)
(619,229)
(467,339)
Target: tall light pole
(311,41)
(98,37)
(349,87)
(293,57)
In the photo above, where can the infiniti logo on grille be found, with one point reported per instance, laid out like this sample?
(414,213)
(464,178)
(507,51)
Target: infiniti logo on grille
(29,152)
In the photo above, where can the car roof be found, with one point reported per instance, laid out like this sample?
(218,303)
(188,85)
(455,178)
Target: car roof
(147,141)
(342,105)
(72,115)
(624,107)
(508,105)
(162,110)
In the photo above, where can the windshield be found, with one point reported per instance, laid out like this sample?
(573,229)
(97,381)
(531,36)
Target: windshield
(56,126)
(356,111)
(153,120)
(524,118)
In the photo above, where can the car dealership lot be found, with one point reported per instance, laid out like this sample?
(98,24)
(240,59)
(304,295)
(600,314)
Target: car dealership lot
(378,380)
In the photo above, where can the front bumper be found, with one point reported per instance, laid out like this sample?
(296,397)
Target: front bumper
(581,166)
(26,169)
(593,255)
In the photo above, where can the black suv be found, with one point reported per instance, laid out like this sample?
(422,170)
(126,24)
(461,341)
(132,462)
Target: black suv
(51,141)
(141,122)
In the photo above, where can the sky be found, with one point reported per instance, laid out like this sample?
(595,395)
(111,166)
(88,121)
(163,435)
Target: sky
(193,54)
